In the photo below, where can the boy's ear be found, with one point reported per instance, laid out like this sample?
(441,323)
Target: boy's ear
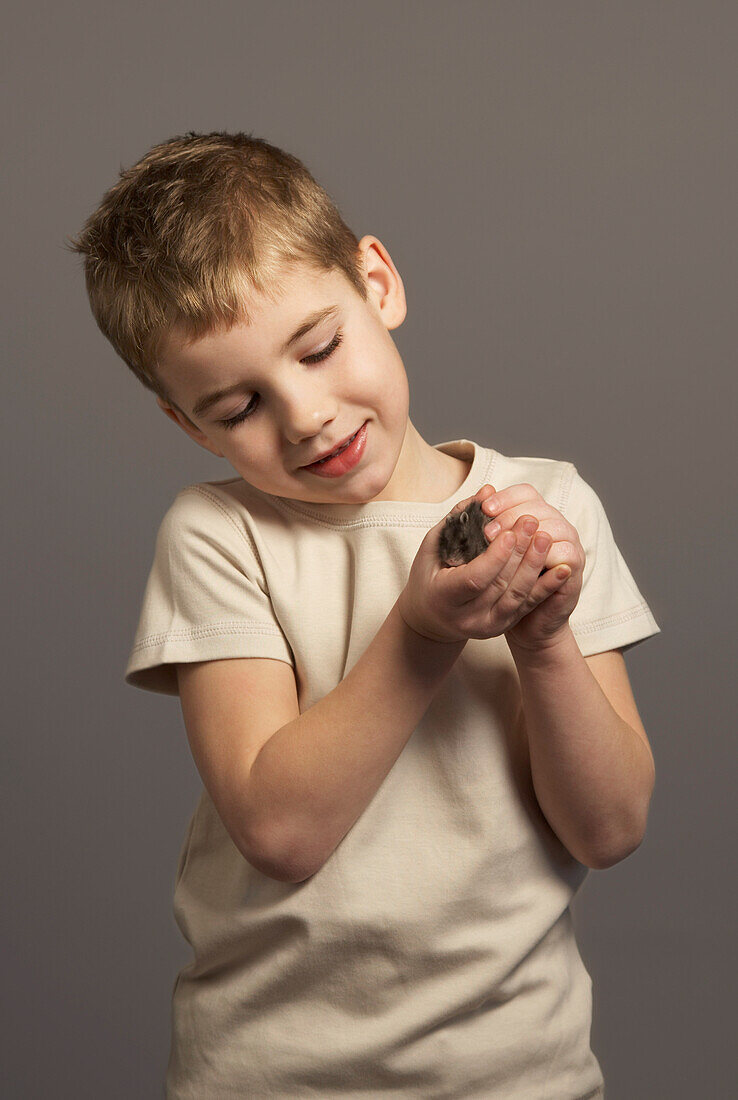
(383,279)
(186,425)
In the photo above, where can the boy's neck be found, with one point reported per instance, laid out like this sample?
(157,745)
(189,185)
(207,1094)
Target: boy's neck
(428,475)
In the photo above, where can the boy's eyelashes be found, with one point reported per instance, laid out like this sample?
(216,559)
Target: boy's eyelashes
(318,357)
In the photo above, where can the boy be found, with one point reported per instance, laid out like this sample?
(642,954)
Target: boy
(407,769)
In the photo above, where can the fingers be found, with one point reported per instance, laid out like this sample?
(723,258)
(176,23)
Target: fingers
(511,497)
(527,556)
(554,524)
(480,495)
(484,493)
(510,566)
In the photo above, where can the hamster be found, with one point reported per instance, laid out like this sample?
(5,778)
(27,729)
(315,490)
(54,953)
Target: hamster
(463,538)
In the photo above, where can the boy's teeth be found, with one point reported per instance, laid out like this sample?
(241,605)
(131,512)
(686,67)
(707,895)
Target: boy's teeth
(339,449)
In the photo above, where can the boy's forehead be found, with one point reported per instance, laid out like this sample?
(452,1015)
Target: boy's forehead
(294,281)
(299,290)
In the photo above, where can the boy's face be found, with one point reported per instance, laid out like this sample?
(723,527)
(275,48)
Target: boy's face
(300,409)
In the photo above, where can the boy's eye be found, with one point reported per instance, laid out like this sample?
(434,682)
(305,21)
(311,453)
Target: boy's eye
(317,358)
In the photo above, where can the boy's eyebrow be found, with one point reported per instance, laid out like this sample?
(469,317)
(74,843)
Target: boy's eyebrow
(309,323)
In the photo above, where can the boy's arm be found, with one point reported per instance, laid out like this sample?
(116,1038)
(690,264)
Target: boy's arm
(316,774)
(593,772)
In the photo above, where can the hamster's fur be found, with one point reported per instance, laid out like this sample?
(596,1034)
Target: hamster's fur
(463,538)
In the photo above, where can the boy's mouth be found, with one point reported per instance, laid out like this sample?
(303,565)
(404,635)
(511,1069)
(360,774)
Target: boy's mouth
(338,449)
(344,458)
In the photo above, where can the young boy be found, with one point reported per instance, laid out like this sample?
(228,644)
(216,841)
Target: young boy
(407,769)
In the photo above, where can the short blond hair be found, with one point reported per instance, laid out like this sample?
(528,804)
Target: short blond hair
(196,220)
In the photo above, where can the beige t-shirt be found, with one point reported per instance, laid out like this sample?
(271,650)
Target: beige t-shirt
(434,954)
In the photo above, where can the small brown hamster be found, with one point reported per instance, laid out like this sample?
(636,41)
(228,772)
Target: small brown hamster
(463,538)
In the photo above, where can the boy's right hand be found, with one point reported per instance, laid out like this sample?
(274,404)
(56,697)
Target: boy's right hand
(483,598)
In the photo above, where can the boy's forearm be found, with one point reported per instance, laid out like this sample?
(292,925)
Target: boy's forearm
(593,775)
(317,774)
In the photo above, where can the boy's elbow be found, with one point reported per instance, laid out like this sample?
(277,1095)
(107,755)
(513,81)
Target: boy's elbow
(279,868)
(298,866)
(284,863)
(276,870)
(629,840)
(293,868)
(605,858)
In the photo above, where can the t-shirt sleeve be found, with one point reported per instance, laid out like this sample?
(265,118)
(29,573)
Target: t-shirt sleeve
(611,612)
(206,597)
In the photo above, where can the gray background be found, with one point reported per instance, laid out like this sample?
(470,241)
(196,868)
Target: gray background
(556,183)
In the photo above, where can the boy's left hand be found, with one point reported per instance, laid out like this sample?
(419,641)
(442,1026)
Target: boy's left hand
(543,626)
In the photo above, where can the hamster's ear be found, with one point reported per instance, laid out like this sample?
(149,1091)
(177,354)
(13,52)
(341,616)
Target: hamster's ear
(464,517)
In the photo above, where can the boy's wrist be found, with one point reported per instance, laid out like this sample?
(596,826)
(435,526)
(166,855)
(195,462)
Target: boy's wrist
(546,652)
(407,617)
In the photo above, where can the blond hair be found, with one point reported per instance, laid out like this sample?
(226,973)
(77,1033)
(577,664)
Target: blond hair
(184,230)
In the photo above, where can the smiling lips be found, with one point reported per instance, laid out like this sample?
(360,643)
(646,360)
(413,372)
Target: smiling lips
(346,457)
(335,451)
